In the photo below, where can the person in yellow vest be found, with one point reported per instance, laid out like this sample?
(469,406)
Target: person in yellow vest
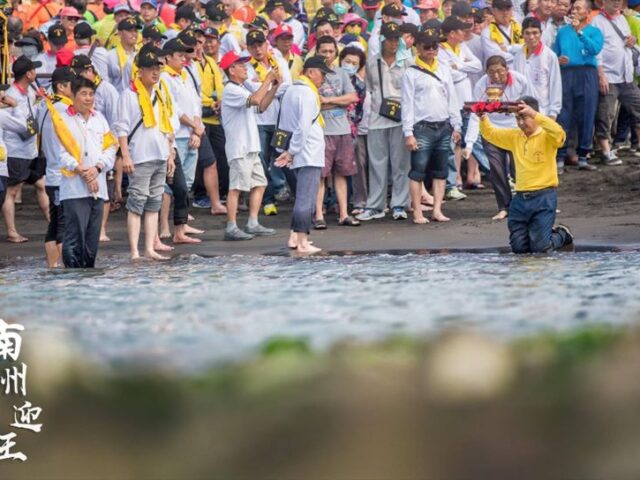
(145,136)
(122,53)
(108,29)
(206,185)
(534,145)
(87,153)
(283,39)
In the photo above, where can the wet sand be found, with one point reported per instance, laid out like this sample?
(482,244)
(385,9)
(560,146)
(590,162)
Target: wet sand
(602,208)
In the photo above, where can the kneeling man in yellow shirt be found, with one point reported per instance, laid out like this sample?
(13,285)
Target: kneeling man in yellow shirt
(532,212)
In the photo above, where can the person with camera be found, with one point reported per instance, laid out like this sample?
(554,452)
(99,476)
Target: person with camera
(20,138)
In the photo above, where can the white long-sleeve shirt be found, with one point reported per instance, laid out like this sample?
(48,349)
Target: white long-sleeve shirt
(428,99)
(146,144)
(461,66)
(253,83)
(50,146)
(16,147)
(98,59)
(106,100)
(543,72)
(517,87)
(185,101)
(228,43)
(491,48)
(49,61)
(118,76)
(392,88)
(89,134)
(300,117)
(615,58)
(194,81)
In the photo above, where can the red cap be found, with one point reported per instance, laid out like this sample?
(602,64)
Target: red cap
(70,12)
(230,58)
(64,57)
(283,29)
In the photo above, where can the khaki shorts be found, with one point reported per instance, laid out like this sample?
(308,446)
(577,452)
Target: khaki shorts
(246,173)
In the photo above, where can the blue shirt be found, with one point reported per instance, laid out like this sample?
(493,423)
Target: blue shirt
(581,49)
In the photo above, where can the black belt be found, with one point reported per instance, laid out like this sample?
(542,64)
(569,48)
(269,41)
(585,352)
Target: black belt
(432,124)
(535,193)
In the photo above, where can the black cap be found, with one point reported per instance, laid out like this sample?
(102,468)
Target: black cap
(325,14)
(317,62)
(390,30)
(478,15)
(454,23)
(176,45)
(216,12)
(254,37)
(409,28)
(149,56)
(62,75)
(187,12)
(321,13)
(188,37)
(129,23)
(461,9)
(433,24)
(273,4)
(429,36)
(80,63)
(393,10)
(211,32)
(57,35)
(29,41)
(82,31)
(152,32)
(22,65)
(259,23)
(502,4)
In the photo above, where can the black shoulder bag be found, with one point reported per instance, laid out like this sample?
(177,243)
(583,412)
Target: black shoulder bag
(424,70)
(391,109)
(31,127)
(282,138)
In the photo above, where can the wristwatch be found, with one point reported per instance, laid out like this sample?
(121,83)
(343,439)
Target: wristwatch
(99,168)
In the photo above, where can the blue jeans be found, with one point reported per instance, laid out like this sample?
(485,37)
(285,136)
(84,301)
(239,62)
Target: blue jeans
(531,219)
(276,176)
(433,150)
(477,151)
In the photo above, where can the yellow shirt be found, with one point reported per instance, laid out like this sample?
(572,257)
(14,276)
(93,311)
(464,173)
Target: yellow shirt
(211,76)
(535,156)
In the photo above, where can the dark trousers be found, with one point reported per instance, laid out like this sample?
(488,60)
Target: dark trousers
(268,154)
(3,189)
(180,195)
(579,107)
(626,122)
(81,238)
(55,229)
(217,139)
(308,182)
(500,165)
(531,220)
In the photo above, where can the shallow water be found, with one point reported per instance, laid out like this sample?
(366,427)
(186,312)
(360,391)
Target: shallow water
(193,311)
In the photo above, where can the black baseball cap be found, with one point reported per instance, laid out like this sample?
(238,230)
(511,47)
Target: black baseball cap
(175,45)
(393,10)
(259,23)
(83,30)
(215,12)
(255,36)
(317,62)
(57,35)
(454,23)
(29,41)
(433,24)
(390,30)
(273,4)
(211,32)
(129,23)
(152,32)
(409,28)
(187,12)
(188,37)
(430,36)
(502,4)
(149,56)
(80,63)
(461,9)
(23,65)
(62,75)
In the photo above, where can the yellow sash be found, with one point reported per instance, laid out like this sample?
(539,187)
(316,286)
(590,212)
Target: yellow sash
(173,73)
(309,83)
(164,101)
(260,68)
(426,66)
(499,38)
(122,56)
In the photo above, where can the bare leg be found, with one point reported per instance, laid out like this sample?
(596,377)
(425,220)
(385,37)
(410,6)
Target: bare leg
(415,189)
(9,214)
(438,194)
(118,179)
(158,246)
(165,231)
(105,218)
(426,198)
(53,254)
(304,245)
(233,197)
(210,178)
(473,171)
(150,235)
(457,158)
(320,200)
(255,199)
(340,185)
(133,234)
(43,198)
(19,194)
(604,145)
(180,235)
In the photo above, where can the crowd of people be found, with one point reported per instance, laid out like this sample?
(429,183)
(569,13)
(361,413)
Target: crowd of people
(362,107)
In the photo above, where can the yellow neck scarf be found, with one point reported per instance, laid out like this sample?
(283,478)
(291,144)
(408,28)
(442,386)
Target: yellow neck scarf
(426,66)
(260,68)
(122,56)
(146,105)
(455,50)
(499,38)
(173,73)
(61,98)
(304,79)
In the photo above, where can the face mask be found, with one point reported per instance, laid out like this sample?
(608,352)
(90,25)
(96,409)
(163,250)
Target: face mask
(354,30)
(397,21)
(340,9)
(350,69)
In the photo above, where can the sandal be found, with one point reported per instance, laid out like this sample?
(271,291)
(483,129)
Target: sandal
(319,224)
(473,186)
(349,222)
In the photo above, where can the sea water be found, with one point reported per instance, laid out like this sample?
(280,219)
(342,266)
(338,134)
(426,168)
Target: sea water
(193,312)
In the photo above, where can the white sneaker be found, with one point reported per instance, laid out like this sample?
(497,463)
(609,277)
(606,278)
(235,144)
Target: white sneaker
(370,214)
(455,194)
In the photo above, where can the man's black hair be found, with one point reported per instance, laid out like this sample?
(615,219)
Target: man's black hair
(532,102)
(80,83)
